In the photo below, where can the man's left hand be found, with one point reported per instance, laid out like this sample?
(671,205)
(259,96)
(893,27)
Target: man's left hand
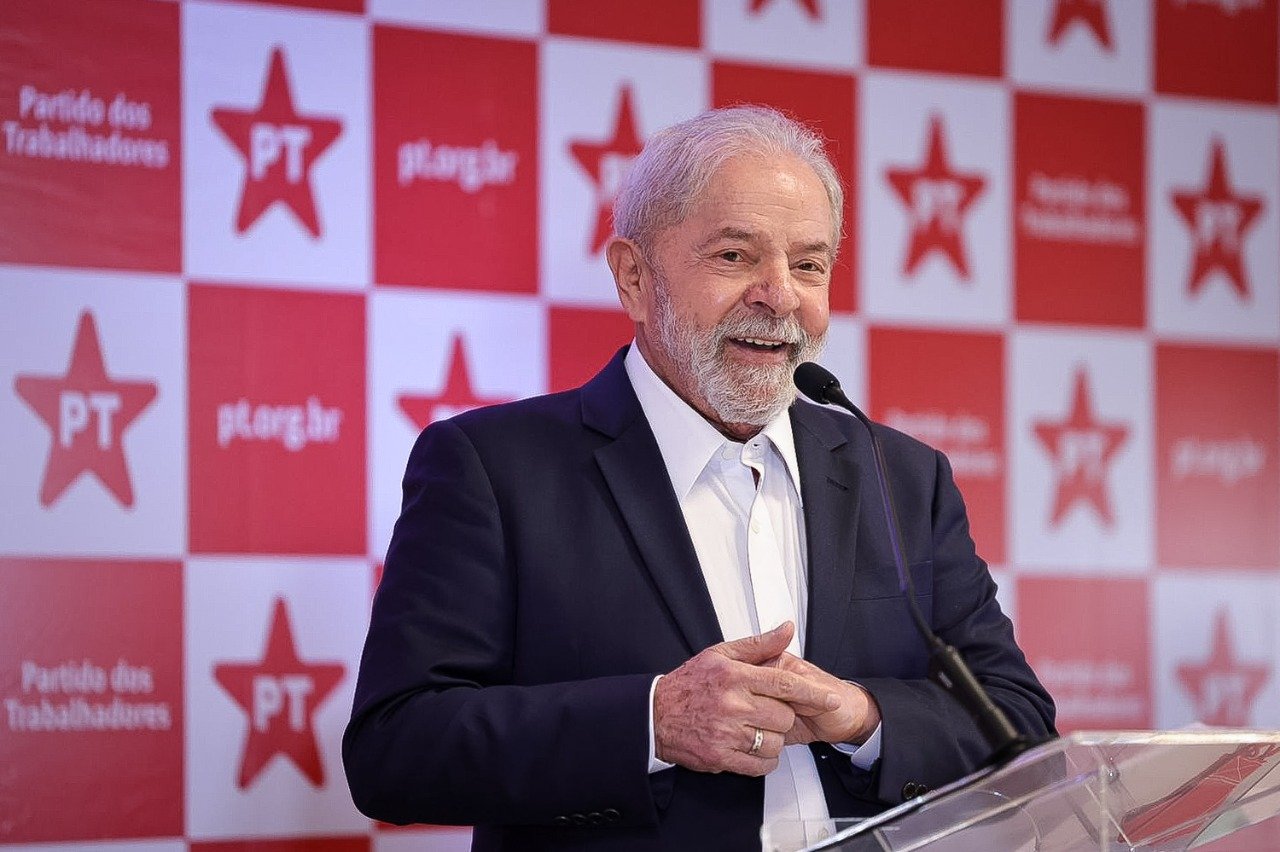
(851,722)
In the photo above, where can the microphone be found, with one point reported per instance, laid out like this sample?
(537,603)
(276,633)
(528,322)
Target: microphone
(946,667)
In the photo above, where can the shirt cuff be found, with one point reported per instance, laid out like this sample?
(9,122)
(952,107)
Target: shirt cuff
(655,763)
(862,756)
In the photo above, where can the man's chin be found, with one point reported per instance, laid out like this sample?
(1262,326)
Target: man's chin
(736,405)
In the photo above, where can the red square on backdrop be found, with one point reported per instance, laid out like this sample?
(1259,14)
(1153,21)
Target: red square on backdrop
(825,102)
(947,389)
(1217,50)
(582,340)
(925,35)
(91,677)
(1088,641)
(91,163)
(1217,442)
(1079,209)
(455,161)
(677,23)
(277,421)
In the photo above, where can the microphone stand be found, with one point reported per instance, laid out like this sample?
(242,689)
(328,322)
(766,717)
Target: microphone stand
(946,667)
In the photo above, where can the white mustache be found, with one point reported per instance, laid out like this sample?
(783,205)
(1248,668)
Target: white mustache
(786,330)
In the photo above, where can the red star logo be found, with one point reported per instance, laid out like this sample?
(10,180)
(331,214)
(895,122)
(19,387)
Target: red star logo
(86,413)
(454,398)
(1188,810)
(810,8)
(936,197)
(280,695)
(1082,448)
(279,147)
(1224,689)
(1091,13)
(1218,220)
(606,163)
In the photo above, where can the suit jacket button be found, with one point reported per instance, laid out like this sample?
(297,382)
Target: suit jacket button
(578,819)
(561,820)
(595,818)
(910,790)
(611,815)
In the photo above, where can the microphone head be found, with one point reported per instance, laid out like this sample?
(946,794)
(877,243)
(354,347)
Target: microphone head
(817,383)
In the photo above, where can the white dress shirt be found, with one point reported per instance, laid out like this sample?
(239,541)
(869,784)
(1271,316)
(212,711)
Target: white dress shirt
(750,543)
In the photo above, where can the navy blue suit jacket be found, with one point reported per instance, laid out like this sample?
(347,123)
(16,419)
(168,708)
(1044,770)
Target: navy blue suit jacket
(541,575)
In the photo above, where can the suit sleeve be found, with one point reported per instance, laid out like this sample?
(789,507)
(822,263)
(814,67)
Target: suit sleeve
(928,738)
(440,732)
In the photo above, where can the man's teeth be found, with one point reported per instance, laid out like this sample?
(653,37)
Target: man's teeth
(755,341)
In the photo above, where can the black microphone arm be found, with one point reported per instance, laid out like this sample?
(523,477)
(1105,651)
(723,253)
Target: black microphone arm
(947,668)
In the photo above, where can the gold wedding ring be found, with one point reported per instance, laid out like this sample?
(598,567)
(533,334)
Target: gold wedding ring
(756,743)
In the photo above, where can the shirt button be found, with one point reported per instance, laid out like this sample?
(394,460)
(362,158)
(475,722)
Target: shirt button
(755,526)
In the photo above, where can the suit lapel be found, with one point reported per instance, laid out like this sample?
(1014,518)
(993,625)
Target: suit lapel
(633,469)
(831,485)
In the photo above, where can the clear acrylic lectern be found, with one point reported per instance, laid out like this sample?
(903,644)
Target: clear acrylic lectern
(1215,790)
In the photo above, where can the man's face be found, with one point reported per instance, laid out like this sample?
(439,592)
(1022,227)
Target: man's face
(737,292)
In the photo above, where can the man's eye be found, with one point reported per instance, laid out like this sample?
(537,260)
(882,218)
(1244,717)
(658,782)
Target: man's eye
(732,255)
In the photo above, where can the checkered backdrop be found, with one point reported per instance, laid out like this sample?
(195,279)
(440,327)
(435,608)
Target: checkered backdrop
(248,250)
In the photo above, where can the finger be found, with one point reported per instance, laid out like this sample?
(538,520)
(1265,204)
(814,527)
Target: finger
(792,663)
(796,690)
(759,649)
(768,713)
(771,742)
(745,764)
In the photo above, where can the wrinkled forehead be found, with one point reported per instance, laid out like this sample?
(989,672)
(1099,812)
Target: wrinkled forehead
(750,193)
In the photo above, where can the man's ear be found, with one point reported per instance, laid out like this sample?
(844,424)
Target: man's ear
(628,273)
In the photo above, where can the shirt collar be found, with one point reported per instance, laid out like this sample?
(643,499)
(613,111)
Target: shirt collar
(685,439)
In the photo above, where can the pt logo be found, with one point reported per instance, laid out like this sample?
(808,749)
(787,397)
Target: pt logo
(279,147)
(280,694)
(1223,687)
(936,198)
(87,413)
(1082,448)
(606,164)
(810,7)
(1218,220)
(455,397)
(1091,14)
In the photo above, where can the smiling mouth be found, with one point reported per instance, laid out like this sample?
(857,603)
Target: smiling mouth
(757,344)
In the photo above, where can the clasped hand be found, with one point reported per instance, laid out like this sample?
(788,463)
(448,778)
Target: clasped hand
(706,713)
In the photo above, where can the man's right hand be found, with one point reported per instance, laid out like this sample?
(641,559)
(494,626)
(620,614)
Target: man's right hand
(705,713)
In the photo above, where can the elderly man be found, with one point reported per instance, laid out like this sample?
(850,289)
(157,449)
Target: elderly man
(655,611)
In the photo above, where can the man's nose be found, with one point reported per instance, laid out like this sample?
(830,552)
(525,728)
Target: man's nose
(774,290)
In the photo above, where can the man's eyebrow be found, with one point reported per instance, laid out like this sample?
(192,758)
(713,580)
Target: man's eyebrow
(729,232)
(733,232)
(816,246)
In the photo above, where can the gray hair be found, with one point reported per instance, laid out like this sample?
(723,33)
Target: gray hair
(677,163)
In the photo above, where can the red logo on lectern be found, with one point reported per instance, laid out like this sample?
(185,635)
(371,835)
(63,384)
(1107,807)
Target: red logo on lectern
(280,694)
(87,413)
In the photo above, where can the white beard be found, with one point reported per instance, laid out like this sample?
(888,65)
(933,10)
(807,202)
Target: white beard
(737,393)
